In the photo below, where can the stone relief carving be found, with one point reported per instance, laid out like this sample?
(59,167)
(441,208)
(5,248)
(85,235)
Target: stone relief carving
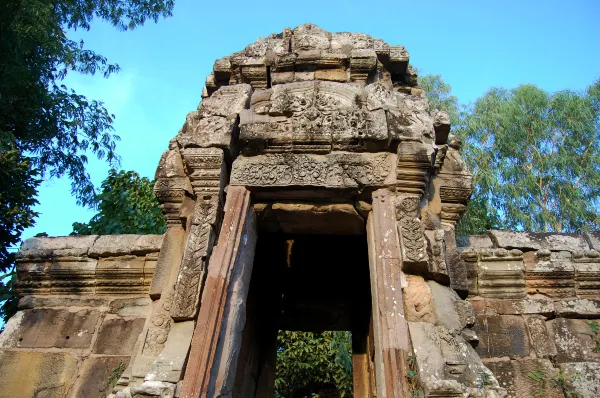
(335,170)
(207,172)
(158,332)
(413,245)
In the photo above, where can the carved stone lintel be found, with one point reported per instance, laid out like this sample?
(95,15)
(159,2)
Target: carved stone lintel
(335,170)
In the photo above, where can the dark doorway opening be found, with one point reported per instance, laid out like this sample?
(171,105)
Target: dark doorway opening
(315,283)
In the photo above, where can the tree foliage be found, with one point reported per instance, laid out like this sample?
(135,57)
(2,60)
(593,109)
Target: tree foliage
(46,129)
(439,95)
(17,196)
(535,157)
(306,359)
(126,205)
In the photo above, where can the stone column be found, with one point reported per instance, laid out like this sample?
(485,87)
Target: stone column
(214,352)
(389,325)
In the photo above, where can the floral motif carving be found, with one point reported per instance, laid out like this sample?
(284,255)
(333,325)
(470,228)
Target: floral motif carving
(189,283)
(413,244)
(157,333)
(334,170)
(407,206)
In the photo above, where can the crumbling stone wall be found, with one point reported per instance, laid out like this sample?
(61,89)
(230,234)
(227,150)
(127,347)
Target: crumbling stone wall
(84,302)
(536,297)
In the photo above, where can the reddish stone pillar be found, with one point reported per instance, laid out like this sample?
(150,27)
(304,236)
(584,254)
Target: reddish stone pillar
(389,325)
(214,350)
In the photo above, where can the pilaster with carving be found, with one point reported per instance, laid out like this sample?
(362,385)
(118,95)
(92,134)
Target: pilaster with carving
(455,184)
(207,172)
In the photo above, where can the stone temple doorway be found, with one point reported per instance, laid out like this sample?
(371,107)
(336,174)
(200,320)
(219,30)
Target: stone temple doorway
(310,282)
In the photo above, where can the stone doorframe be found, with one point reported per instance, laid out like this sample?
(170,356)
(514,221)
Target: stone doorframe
(213,356)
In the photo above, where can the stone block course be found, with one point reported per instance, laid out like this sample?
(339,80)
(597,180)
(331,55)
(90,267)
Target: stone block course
(96,376)
(573,344)
(502,336)
(36,374)
(117,336)
(513,375)
(536,241)
(47,328)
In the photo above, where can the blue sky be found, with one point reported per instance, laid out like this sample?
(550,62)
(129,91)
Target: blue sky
(473,45)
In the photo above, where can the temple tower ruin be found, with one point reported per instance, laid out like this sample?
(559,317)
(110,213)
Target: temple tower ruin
(313,189)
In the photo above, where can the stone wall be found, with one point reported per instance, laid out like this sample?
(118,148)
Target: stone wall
(84,301)
(536,298)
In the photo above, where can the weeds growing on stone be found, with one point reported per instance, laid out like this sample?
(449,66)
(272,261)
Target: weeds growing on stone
(412,376)
(564,381)
(115,374)
(595,334)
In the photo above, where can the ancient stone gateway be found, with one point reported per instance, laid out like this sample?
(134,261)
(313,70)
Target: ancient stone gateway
(313,189)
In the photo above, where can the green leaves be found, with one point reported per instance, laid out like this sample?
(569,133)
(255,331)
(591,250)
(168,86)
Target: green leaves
(126,205)
(535,158)
(439,95)
(46,129)
(307,359)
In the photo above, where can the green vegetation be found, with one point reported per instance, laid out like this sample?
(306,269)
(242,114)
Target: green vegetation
(306,359)
(46,129)
(412,377)
(126,205)
(535,156)
(115,375)
(562,380)
(595,334)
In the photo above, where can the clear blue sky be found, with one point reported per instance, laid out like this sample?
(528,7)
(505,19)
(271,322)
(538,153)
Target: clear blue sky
(473,45)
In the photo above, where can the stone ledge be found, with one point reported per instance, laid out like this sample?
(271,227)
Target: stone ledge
(539,240)
(93,246)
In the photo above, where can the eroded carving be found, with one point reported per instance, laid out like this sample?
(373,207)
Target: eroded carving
(335,170)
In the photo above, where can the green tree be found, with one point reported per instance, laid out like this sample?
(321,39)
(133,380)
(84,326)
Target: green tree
(536,157)
(310,359)
(17,196)
(439,94)
(46,129)
(477,219)
(126,205)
